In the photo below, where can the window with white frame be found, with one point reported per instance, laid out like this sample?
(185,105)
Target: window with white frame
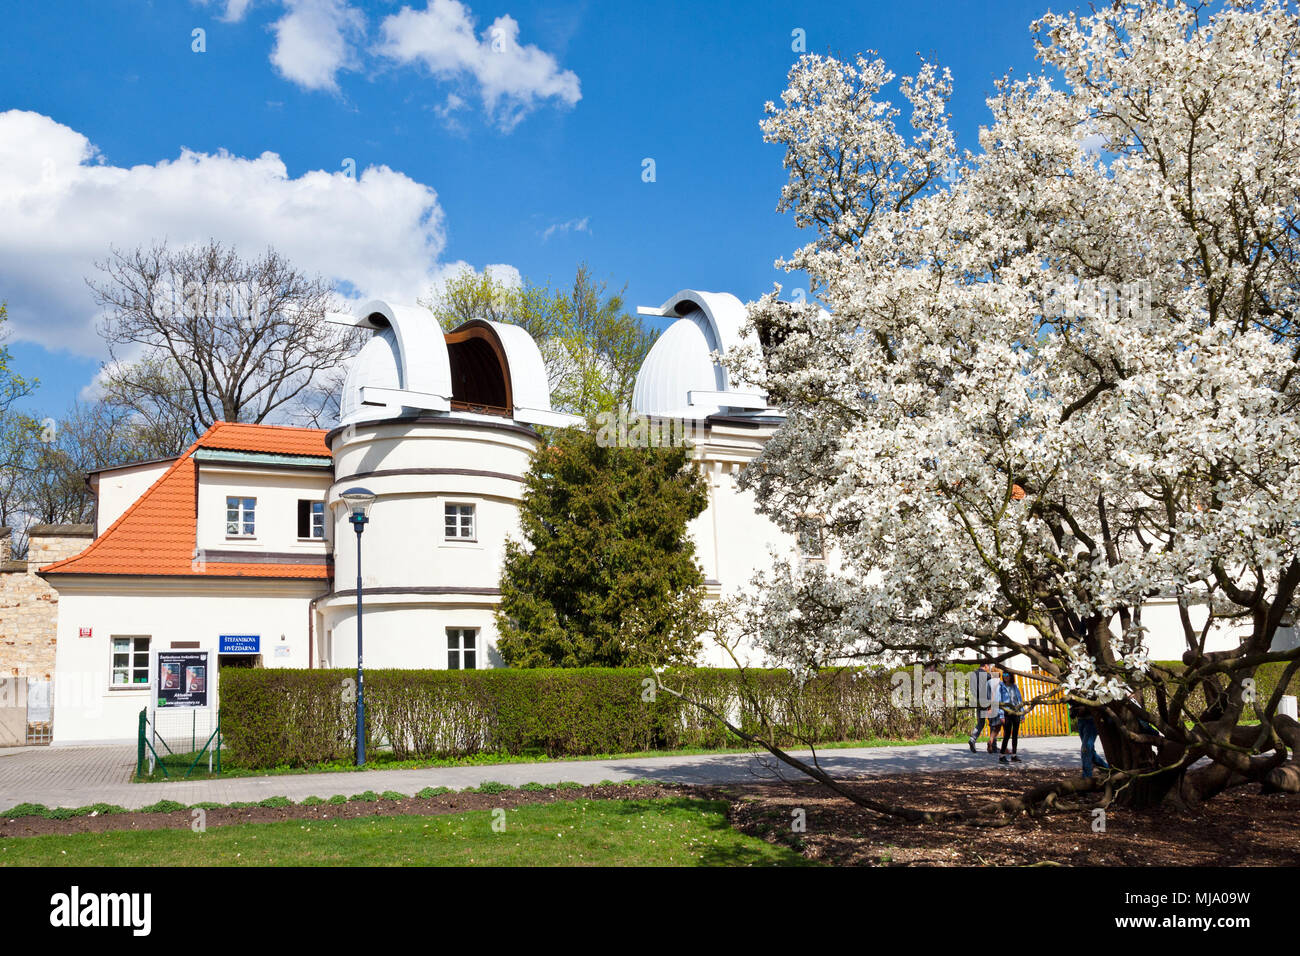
(458,522)
(311,518)
(462,648)
(130,661)
(241,517)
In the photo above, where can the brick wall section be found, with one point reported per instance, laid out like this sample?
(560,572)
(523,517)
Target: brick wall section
(29,608)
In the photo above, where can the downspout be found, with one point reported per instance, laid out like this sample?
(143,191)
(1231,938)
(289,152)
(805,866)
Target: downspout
(311,627)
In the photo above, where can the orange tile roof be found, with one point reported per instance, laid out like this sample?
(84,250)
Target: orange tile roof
(275,439)
(157,534)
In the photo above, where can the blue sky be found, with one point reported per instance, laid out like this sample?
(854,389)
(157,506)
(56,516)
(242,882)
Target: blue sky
(481,133)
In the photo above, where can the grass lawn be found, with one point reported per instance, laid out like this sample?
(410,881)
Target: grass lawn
(177,764)
(674,832)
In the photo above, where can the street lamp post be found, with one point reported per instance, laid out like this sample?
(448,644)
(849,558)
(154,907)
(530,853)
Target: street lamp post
(359,501)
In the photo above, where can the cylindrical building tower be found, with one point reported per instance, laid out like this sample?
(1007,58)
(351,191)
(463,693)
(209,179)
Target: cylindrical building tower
(438,426)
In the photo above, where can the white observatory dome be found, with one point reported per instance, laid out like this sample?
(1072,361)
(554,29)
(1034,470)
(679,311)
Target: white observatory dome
(679,363)
(375,366)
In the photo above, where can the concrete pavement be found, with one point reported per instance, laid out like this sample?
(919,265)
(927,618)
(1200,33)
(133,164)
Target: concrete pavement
(80,776)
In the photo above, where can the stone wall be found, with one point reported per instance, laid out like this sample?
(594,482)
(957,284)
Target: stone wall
(29,608)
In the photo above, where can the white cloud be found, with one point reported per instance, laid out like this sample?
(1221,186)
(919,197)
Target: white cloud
(235,10)
(314,40)
(449,112)
(232,10)
(512,79)
(62,208)
(572,225)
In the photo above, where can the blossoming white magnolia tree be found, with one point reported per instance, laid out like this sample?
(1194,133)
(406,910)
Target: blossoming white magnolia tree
(1054,378)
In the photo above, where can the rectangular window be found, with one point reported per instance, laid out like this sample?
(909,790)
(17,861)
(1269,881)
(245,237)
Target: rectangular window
(462,649)
(311,519)
(130,660)
(810,538)
(459,522)
(240,515)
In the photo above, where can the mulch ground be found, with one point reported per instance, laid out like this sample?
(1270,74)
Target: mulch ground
(1239,828)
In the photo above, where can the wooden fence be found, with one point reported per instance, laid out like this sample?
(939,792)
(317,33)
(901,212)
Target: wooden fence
(1048,715)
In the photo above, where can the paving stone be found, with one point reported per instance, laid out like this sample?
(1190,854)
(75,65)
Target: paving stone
(80,776)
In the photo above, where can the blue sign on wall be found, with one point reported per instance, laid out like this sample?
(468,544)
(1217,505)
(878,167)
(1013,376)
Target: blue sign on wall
(240,643)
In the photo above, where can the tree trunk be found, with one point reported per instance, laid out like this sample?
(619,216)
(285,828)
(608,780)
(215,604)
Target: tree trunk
(1123,753)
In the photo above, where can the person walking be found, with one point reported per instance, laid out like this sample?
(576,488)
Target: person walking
(993,713)
(1087,728)
(1013,709)
(980,693)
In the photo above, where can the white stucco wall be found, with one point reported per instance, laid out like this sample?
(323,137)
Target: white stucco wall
(408,632)
(118,489)
(733,540)
(276,517)
(417,582)
(88,708)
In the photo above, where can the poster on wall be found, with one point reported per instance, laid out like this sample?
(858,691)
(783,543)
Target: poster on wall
(169,676)
(182,678)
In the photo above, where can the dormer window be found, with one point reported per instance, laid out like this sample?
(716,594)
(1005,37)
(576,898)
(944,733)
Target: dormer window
(311,519)
(241,517)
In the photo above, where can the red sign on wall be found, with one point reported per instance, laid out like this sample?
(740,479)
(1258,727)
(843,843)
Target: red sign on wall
(84,632)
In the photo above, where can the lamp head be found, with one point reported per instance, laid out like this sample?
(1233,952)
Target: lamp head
(358,501)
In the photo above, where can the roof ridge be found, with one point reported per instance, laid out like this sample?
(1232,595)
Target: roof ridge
(252,451)
(186,456)
(296,428)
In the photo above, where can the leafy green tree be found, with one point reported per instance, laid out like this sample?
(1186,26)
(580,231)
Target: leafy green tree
(606,574)
(591,344)
(19,434)
(19,441)
(13,386)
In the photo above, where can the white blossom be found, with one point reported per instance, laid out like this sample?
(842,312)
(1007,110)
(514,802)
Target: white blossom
(1047,380)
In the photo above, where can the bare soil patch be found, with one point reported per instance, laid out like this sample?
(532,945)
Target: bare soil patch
(1239,828)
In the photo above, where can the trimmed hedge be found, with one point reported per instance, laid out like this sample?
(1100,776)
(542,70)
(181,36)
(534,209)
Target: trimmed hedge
(298,718)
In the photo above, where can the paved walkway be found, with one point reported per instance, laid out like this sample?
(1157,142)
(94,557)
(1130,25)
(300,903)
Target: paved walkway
(80,776)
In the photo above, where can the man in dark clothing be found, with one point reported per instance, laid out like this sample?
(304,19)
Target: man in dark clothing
(981,693)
